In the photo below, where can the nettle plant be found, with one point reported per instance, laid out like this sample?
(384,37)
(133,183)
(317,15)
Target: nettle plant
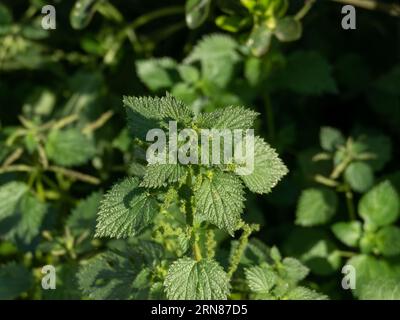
(346,166)
(369,236)
(259,21)
(176,216)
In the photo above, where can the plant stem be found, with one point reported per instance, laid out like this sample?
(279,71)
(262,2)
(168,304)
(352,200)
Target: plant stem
(347,254)
(349,202)
(17,168)
(190,217)
(98,123)
(304,10)
(340,168)
(153,15)
(13,157)
(65,121)
(74,174)
(325,181)
(196,249)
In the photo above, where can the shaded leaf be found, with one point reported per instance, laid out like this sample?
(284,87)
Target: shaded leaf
(125,210)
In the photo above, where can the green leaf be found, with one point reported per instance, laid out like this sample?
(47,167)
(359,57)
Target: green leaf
(268,168)
(330,138)
(196,12)
(256,252)
(288,29)
(143,112)
(67,287)
(217,54)
(143,120)
(231,23)
(14,280)
(214,47)
(34,31)
(380,206)
(83,216)
(306,73)
(188,279)
(155,73)
(380,146)
(315,207)
(294,271)
(112,275)
(348,232)
(381,289)
(259,40)
(159,174)
(228,118)
(82,13)
(368,269)
(359,176)
(25,223)
(219,200)
(69,147)
(303,293)
(157,291)
(388,241)
(10,196)
(260,279)
(187,93)
(21,213)
(313,247)
(125,210)
(188,73)
(275,254)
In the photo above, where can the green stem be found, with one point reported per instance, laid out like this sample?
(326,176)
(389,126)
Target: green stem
(166,32)
(190,217)
(74,174)
(17,168)
(349,202)
(146,18)
(196,249)
(340,168)
(325,181)
(304,10)
(346,254)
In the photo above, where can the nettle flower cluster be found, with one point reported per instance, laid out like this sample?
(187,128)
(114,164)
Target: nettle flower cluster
(174,215)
